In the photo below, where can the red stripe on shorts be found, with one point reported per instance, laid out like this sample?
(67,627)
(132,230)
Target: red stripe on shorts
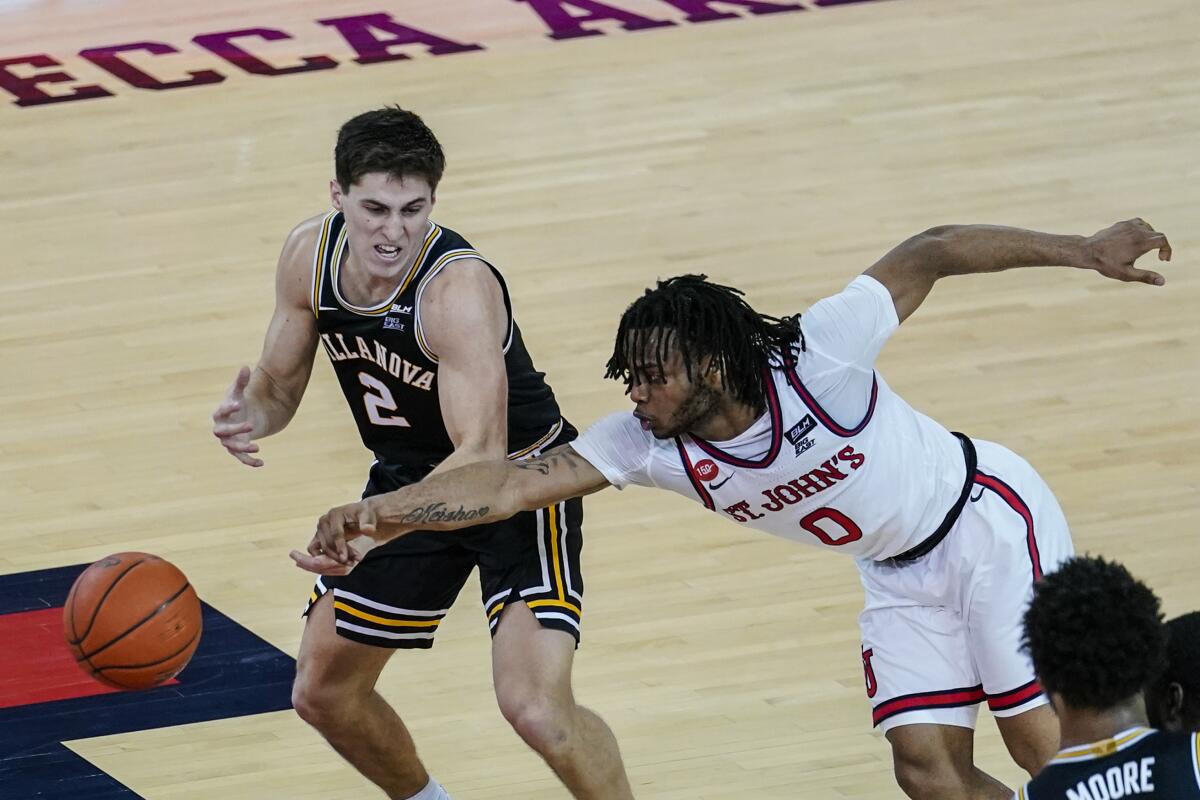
(1008,495)
(947,698)
(1014,698)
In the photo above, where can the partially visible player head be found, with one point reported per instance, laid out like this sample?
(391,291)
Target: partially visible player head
(1095,635)
(387,165)
(687,347)
(1173,699)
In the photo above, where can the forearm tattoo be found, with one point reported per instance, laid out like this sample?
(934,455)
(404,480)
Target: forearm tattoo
(438,511)
(545,463)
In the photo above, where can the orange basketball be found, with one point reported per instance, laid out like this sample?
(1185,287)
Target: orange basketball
(132,620)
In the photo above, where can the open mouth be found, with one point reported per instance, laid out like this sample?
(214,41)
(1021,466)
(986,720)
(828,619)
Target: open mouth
(645,421)
(387,252)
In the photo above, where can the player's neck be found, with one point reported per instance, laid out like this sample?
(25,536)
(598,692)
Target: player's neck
(1087,725)
(365,287)
(731,420)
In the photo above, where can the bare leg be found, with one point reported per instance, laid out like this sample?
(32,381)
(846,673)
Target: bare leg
(1031,737)
(335,693)
(936,762)
(531,666)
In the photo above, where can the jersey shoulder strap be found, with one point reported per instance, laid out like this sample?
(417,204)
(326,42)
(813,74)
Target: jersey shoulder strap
(330,240)
(451,247)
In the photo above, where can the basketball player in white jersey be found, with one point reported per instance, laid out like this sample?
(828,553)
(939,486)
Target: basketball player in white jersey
(783,425)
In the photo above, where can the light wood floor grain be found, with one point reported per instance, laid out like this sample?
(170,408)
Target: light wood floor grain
(780,153)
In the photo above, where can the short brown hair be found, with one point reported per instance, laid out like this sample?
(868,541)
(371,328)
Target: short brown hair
(390,140)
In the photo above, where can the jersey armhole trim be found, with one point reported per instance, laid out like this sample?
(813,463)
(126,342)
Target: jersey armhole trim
(448,258)
(318,267)
(829,422)
(535,449)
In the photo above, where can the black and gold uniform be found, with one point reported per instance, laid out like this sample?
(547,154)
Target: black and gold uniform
(401,591)
(1136,763)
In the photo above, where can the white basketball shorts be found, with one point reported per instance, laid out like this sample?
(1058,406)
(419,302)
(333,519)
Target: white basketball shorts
(942,634)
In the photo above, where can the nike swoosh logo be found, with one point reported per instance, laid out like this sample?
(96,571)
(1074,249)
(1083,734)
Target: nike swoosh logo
(714,486)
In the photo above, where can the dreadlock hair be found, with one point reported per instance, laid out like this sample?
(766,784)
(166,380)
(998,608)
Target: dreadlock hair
(1183,660)
(705,320)
(391,140)
(1095,634)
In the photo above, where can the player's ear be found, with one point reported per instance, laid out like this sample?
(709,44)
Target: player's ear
(1173,710)
(335,194)
(711,372)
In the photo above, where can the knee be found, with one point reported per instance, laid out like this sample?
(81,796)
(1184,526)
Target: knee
(323,706)
(925,774)
(542,722)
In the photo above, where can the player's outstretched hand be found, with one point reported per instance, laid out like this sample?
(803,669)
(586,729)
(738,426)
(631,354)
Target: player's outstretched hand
(231,422)
(1114,249)
(342,538)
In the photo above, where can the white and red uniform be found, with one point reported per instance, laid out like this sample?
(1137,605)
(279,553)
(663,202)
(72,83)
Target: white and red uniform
(840,461)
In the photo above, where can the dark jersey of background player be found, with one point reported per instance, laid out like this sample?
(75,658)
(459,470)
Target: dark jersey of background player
(1096,638)
(1136,763)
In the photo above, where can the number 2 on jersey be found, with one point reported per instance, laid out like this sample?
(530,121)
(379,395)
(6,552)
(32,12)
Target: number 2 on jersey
(378,400)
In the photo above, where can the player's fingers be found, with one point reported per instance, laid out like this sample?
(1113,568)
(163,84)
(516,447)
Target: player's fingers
(223,429)
(226,408)
(234,441)
(329,536)
(248,460)
(236,445)
(241,381)
(1164,248)
(365,521)
(320,538)
(340,551)
(322,564)
(1143,276)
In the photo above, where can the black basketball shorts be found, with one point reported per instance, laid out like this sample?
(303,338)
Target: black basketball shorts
(399,593)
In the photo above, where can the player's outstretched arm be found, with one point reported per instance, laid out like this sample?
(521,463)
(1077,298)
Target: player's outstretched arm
(910,269)
(486,491)
(263,400)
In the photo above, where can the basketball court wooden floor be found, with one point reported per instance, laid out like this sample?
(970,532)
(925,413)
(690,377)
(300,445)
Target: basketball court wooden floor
(781,152)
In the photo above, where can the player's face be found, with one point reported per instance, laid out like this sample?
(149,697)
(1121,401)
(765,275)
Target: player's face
(386,219)
(668,403)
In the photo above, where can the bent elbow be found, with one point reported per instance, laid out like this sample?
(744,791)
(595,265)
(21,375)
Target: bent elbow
(932,249)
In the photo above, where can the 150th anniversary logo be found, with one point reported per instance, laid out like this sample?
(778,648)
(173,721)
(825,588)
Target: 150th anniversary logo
(40,79)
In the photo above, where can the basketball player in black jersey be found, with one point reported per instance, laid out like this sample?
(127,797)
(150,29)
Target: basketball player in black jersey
(1173,699)
(1096,637)
(420,333)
